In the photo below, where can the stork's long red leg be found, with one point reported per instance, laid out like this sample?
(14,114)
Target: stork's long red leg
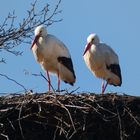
(49,81)
(102,87)
(105,87)
(58,81)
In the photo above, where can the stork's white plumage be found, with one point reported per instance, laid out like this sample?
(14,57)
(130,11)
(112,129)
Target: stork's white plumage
(53,56)
(102,61)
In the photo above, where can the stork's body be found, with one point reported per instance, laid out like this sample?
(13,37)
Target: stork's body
(53,56)
(102,61)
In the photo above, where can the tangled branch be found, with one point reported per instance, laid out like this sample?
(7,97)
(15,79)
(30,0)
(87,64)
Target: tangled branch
(11,36)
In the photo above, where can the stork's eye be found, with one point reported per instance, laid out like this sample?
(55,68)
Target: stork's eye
(40,31)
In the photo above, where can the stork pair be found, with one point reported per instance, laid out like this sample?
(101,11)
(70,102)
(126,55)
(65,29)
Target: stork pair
(54,57)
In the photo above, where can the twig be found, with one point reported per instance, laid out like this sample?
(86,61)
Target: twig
(60,120)
(78,107)
(48,82)
(105,109)
(41,75)
(21,131)
(11,124)
(5,136)
(62,105)
(54,136)
(74,90)
(120,124)
(13,81)
(131,115)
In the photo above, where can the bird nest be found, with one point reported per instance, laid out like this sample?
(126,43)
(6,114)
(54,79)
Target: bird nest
(69,116)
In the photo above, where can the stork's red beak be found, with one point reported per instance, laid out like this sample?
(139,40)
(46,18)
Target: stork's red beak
(35,40)
(87,48)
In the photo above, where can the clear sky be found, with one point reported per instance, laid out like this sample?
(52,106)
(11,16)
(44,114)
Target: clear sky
(117,23)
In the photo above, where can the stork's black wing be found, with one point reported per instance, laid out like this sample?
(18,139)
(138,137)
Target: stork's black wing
(67,62)
(115,68)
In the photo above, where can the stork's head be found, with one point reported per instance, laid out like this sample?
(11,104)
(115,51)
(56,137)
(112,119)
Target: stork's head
(91,39)
(40,31)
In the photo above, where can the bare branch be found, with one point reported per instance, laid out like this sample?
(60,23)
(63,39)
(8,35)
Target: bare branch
(5,136)
(13,81)
(11,36)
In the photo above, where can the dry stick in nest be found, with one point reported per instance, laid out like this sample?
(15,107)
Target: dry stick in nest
(78,107)
(54,137)
(12,126)
(131,115)
(106,109)
(60,120)
(19,117)
(62,105)
(20,123)
(5,136)
(120,124)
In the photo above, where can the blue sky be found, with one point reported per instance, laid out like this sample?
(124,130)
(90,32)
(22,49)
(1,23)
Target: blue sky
(117,23)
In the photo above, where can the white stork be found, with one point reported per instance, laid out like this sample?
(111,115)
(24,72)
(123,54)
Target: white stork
(102,61)
(53,56)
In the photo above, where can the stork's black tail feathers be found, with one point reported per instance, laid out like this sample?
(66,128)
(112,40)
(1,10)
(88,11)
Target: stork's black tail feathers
(67,62)
(115,68)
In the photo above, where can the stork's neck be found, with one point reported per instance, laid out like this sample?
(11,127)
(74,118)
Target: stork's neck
(96,42)
(41,41)
(93,48)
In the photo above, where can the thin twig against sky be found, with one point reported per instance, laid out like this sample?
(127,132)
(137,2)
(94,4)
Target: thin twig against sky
(8,78)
